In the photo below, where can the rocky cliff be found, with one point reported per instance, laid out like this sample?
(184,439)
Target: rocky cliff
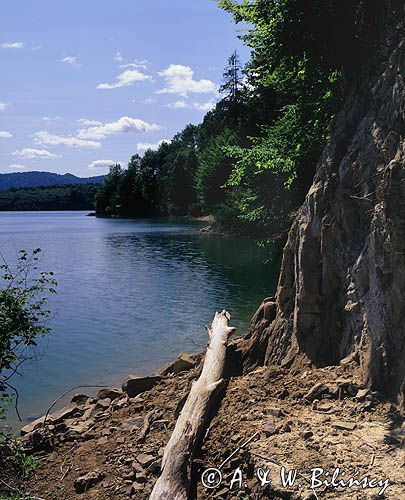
(341,292)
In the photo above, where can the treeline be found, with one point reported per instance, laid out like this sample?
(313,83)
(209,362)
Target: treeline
(252,159)
(74,197)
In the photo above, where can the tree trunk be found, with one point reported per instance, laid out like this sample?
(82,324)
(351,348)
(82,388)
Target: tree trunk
(174,481)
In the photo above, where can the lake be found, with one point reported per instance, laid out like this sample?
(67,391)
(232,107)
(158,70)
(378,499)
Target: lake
(132,294)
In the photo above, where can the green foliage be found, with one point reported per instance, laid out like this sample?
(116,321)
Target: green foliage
(70,197)
(251,160)
(23,313)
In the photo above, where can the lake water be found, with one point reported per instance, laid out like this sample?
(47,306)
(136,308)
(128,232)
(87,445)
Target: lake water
(132,294)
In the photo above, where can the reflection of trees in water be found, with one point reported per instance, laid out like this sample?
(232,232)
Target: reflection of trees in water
(231,271)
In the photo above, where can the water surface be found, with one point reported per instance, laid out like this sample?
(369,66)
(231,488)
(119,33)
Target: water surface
(132,294)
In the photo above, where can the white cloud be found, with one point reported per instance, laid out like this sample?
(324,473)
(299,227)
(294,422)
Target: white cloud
(16,166)
(118,57)
(122,125)
(149,100)
(138,63)
(49,119)
(179,80)
(3,105)
(143,146)
(12,45)
(125,79)
(177,105)
(5,135)
(31,153)
(101,163)
(72,60)
(204,106)
(45,138)
(88,123)
(200,106)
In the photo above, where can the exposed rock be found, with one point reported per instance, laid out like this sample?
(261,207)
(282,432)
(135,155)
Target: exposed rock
(182,363)
(345,426)
(36,424)
(136,385)
(343,268)
(316,392)
(144,459)
(132,424)
(80,399)
(87,481)
(109,392)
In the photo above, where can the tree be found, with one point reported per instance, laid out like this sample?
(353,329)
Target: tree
(233,83)
(23,312)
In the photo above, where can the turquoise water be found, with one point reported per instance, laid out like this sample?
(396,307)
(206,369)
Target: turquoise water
(132,294)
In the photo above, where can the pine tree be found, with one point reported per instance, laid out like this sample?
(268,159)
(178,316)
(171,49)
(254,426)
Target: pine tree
(232,76)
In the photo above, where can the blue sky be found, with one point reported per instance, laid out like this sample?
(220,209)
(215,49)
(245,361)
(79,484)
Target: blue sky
(87,82)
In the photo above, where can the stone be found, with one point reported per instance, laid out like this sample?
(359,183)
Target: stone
(362,394)
(182,363)
(316,392)
(345,426)
(36,424)
(306,434)
(136,385)
(80,399)
(109,392)
(132,424)
(144,459)
(87,481)
(276,412)
(269,427)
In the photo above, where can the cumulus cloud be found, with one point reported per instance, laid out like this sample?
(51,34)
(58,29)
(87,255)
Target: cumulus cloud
(148,100)
(16,166)
(179,80)
(122,125)
(143,146)
(118,56)
(125,79)
(31,153)
(3,105)
(45,138)
(50,119)
(72,60)
(200,106)
(12,45)
(88,123)
(5,135)
(101,163)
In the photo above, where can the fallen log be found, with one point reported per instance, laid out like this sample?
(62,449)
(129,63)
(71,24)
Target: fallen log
(174,481)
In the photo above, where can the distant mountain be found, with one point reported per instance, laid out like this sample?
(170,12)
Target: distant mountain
(42,179)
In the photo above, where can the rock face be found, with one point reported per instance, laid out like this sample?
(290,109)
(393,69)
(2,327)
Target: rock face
(342,283)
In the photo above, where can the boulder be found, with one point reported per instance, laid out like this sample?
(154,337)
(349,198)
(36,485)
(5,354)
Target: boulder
(80,399)
(87,481)
(109,393)
(36,424)
(182,363)
(136,385)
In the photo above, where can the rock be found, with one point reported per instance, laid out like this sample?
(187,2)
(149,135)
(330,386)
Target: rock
(182,363)
(362,394)
(80,399)
(155,467)
(345,426)
(87,481)
(144,459)
(36,424)
(306,434)
(316,392)
(132,424)
(134,488)
(136,385)
(276,412)
(109,392)
(269,427)
(71,410)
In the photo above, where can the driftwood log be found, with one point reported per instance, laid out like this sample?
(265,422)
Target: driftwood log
(174,481)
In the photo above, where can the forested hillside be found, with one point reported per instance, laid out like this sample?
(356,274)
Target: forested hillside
(252,159)
(34,179)
(70,197)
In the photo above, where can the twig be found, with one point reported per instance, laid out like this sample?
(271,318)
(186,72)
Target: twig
(145,427)
(17,396)
(237,449)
